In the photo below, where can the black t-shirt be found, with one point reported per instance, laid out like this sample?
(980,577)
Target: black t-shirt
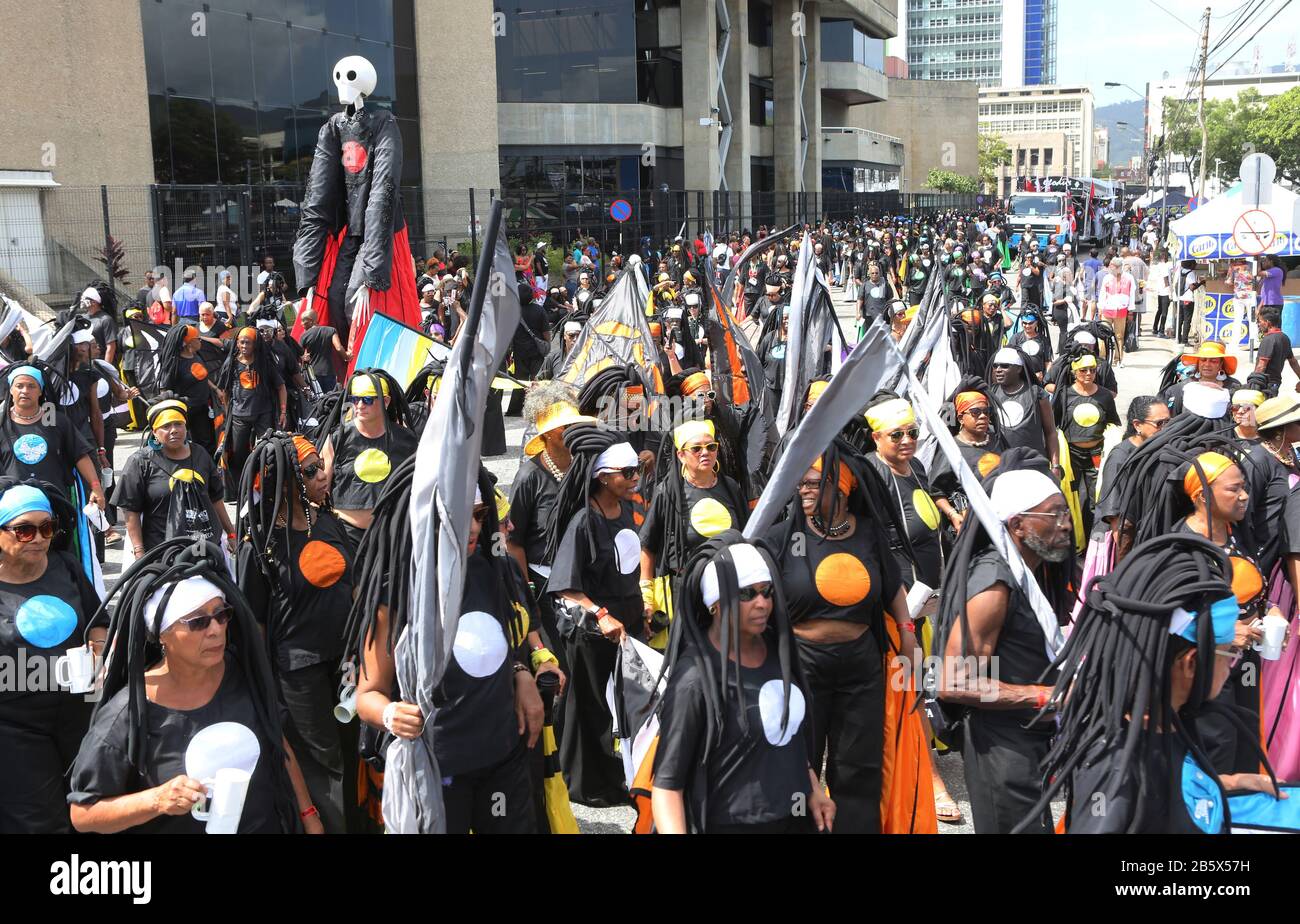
(362,464)
(103,768)
(532,501)
(1157,791)
(1275,347)
(709,511)
(612,578)
(875,298)
(83,384)
(308,624)
(250,397)
(841,579)
(751,777)
(150,481)
(911,495)
(319,342)
(1018,418)
(981,459)
(43,619)
(104,329)
(1086,416)
(192,384)
(474,724)
(1111,480)
(1021,650)
(45,453)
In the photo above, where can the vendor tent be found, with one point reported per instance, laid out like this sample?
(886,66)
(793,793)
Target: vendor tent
(1231,225)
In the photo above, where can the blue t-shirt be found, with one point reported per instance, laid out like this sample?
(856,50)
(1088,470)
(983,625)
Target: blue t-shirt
(1270,290)
(186,300)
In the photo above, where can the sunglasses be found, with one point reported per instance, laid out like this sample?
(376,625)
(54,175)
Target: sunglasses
(631,473)
(26,532)
(1233,654)
(911,433)
(309,471)
(367,400)
(1158,424)
(978,411)
(1062,517)
(702,448)
(749,593)
(201,622)
(480,516)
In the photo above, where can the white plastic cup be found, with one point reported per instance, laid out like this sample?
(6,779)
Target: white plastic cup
(223,805)
(1275,627)
(346,709)
(75,671)
(919,595)
(95,516)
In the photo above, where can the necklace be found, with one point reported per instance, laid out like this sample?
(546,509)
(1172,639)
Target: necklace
(831,532)
(551,466)
(1277,452)
(984,442)
(21,419)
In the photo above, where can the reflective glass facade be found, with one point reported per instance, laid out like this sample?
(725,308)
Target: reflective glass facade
(238,89)
(842,40)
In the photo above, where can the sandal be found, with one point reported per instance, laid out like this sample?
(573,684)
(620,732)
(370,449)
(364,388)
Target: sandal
(946,810)
(112,536)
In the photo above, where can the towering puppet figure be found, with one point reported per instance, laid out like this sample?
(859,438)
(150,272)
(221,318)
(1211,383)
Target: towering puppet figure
(352,257)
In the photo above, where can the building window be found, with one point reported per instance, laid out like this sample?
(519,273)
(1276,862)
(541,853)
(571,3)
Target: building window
(760,23)
(582,52)
(1047,157)
(761,110)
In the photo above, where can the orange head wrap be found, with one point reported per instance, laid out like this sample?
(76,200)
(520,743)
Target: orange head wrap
(968,399)
(1213,464)
(656,329)
(845,482)
(191,334)
(696,381)
(247,333)
(304,448)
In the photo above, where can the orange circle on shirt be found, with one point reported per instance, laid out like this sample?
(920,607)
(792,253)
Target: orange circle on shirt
(1247,582)
(199,371)
(248,380)
(987,463)
(321,564)
(842,579)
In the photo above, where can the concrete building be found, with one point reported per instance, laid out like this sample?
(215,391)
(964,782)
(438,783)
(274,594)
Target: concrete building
(1049,130)
(1100,147)
(997,43)
(937,121)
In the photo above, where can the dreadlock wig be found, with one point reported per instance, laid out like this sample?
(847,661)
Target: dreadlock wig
(419,394)
(1117,723)
(380,384)
(585,443)
(132,648)
(600,395)
(271,477)
(263,361)
(169,355)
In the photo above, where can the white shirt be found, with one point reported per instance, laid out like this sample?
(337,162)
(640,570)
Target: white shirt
(228,307)
(1159,278)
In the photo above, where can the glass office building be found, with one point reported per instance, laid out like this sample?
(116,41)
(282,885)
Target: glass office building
(997,43)
(239,89)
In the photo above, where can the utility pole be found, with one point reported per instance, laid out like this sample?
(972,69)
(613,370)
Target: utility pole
(1200,109)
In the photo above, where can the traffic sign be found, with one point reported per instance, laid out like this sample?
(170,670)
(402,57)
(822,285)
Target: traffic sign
(620,210)
(1254,232)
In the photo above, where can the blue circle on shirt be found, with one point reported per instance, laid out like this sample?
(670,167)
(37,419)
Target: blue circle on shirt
(778,351)
(31,448)
(45,621)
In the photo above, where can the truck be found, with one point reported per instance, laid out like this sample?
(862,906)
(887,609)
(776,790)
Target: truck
(1047,214)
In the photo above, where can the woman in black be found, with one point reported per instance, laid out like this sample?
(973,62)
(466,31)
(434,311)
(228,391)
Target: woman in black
(295,570)
(170,486)
(252,391)
(366,444)
(1083,411)
(731,756)
(595,567)
(693,502)
(181,372)
(979,441)
(187,692)
(46,604)
(894,432)
(838,592)
(488,712)
(32,445)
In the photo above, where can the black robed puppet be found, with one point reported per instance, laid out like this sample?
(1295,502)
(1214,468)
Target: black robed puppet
(352,248)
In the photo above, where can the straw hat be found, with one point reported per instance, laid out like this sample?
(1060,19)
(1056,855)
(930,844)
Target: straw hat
(557,415)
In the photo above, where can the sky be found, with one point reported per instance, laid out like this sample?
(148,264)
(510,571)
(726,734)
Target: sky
(1134,41)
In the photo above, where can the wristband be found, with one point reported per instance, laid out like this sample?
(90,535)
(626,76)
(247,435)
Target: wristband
(308,812)
(1041,699)
(389,711)
(910,626)
(542,656)
(521,668)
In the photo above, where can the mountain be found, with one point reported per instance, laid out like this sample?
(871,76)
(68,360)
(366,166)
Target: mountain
(1124,142)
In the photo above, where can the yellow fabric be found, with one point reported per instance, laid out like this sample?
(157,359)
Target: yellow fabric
(559,812)
(692,430)
(662,596)
(503,504)
(161,407)
(1071,491)
(815,390)
(363,387)
(1086,361)
(560,414)
(1213,464)
(162,418)
(890,415)
(709,517)
(1248,396)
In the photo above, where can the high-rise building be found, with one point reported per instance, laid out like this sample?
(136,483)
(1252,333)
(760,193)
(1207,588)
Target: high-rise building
(1049,130)
(997,43)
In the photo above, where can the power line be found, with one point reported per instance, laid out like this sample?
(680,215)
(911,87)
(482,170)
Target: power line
(1284,5)
(1174,17)
(1246,13)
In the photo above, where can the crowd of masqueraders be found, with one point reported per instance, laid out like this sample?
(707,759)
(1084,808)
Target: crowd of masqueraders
(1112,633)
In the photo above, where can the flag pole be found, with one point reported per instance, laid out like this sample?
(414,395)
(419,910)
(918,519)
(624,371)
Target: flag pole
(482,279)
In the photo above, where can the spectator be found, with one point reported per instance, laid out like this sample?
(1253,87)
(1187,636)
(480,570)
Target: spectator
(321,349)
(227,302)
(159,303)
(187,299)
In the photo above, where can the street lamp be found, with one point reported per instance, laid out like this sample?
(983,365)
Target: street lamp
(1146,176)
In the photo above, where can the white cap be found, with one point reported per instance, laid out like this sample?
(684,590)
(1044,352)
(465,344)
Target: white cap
(620,455)
(91,293)
(1019,490)
(751,569)
(428,287)
(186,597)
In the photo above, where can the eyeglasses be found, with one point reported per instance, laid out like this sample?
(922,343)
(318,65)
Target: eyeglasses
(749,593)
(310,471)
(1158,424)
(912,433)
(480,515)
(1233,654)
(701,448)
(814,485)
(367,400)
(200,622)
(26,532)
(978,411)
(1062,517)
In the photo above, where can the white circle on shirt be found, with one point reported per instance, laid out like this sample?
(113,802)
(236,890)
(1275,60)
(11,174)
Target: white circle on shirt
(1031,347)
(101,389)
(1013,415)
(71,395)
(480,645)
(770,702)
(627,550)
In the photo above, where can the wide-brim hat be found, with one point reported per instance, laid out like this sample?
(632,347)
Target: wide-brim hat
(1212,349)
(1277,412)
(557,415)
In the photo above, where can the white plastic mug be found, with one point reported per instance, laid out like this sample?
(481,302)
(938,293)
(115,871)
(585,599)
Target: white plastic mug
(223,803)
(1275,626)
(75,671)
(346,709)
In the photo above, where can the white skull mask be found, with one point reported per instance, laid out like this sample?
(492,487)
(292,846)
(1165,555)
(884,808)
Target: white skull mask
(354,77)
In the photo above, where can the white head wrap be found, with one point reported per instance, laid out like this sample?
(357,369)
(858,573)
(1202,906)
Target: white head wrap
(187,596)
(620,455)
(91,293)
(1084,337)
(572,327)
(674,314)
(1017,491)
(1008,357)
(750,570)
(1205,400)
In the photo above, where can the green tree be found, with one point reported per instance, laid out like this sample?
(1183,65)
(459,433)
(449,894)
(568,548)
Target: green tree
(1275,131)
(1230,130)
(948,182)
(994,153)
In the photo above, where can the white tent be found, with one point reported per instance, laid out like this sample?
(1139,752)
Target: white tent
(1250,219)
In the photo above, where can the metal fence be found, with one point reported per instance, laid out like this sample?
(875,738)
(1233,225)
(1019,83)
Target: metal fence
(56,249)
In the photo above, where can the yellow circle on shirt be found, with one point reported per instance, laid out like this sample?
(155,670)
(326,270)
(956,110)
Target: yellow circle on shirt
(925,509)
(1086,414)
(987,463)
(372,465)
(187,475)
(710,517)
(842,579)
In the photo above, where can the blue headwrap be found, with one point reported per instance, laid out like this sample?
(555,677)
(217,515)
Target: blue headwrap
(25,369)
(1223,616)
(22,499)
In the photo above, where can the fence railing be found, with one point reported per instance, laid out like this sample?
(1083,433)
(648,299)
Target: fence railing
(56,250)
